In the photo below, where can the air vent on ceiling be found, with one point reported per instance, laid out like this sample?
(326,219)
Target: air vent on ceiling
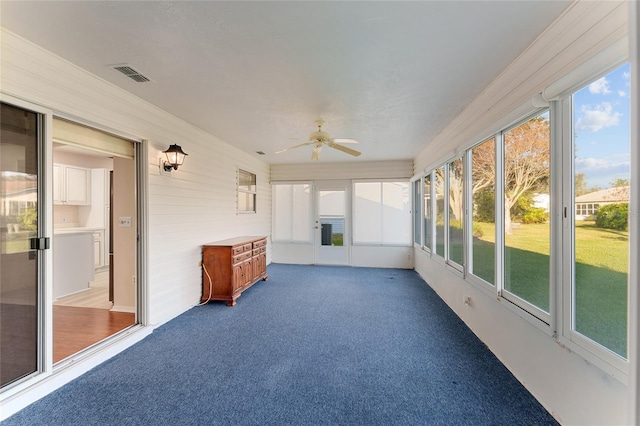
(130,72)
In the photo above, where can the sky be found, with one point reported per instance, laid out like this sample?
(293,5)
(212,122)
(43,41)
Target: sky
(601,114)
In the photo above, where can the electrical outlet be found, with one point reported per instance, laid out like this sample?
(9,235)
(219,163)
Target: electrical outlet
(467,300)
(200,263)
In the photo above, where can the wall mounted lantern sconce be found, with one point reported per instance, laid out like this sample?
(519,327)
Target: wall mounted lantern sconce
(175,157)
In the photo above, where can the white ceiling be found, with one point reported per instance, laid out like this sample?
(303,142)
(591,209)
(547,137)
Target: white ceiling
(258,74)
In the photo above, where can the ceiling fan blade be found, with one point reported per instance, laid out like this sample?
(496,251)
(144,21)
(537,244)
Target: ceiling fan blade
(315,154)
(344,149)
(345,140)
(293,147)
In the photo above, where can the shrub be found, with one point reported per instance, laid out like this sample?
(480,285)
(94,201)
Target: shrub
(613,216)
(484,206)
(477,230)
(535,215)
(28,219)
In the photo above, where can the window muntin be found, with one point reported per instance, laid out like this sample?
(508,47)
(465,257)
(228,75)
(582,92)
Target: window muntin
(483,217)
(455,210)
(292,216)
(246,192)
(526,171)
(601,147)
(428,213)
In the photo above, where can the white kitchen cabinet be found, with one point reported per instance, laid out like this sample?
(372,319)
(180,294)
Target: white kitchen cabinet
(73,271)
(71,185)
(98,249)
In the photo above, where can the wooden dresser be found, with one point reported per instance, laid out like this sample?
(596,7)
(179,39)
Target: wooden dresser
(234,265)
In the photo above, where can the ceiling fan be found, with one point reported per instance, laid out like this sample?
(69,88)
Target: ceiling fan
(319,139)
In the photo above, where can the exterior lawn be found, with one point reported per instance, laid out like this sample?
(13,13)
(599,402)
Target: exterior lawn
(601,267)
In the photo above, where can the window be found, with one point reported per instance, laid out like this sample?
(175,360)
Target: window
(381,211)
(292,216)
(455,219)
(428,216)
(417,212)
(246,192)
(515,182)
(483,217)
(526,168)
(600,164)
(438,179)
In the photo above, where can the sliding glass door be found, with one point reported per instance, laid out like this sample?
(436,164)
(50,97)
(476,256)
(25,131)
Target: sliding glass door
(20,298)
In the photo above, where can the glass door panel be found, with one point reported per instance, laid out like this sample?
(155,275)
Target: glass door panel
(331,226)
(19,305)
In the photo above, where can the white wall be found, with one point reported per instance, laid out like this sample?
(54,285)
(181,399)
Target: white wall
(124,237)
(187,208)
(360,255)
(572,389)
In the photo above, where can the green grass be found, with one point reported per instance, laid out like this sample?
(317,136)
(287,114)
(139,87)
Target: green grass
(601,275)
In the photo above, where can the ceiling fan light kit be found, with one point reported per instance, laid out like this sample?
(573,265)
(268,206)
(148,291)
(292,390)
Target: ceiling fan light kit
(319,139)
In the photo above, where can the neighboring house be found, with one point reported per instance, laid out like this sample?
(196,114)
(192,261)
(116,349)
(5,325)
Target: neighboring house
(587,205)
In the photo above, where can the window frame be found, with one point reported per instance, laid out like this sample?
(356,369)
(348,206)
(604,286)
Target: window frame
(468,164)
(428,247)
(418,208)
(538,313)
(381,242)
(240,191)
(459,267)
(586,347)
(310,216)
(558,322)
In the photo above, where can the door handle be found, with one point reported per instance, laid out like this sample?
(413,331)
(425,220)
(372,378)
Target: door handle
(40,243)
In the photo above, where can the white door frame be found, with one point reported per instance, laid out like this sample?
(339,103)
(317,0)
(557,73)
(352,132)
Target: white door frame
(332,255)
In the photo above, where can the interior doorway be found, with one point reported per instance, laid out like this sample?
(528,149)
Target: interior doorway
(94,238)
(331,224)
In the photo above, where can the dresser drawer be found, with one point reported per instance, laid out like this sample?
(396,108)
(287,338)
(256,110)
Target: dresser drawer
(241,257)
(259,243)
(241,249)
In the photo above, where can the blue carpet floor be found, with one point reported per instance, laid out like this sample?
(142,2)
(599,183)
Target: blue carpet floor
(314,345)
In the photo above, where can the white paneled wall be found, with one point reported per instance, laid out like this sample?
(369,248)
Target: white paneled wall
(187,208)
(571,388)
(584,29)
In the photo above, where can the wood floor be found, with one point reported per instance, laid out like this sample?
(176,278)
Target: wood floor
(83,319)
(77,328)
(96,296)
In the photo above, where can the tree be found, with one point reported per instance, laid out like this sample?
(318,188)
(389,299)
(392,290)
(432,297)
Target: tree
(456,194)
(580,185)
(618,183)
(526,163)
(621,189)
